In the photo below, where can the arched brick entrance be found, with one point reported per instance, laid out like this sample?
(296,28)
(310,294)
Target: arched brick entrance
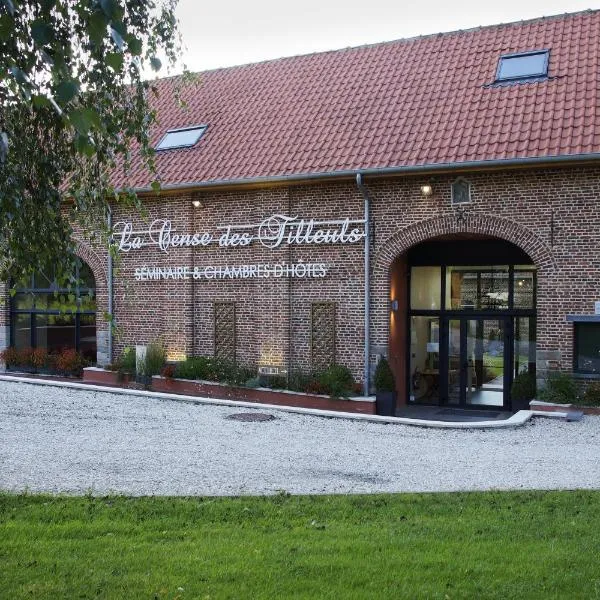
(388,270)
(98,266)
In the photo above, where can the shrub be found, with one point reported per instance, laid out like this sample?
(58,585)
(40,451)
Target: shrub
(560,388)
(337,381)
(194,367)
(523,387)
(155,359)
(253,382)
(237,374)
(168,371)
(39,358)
(127,361)
(275,382)
(384,378)
(300,381)
(24,357)
(592,395)
(214,369)
(315,387)
(10,356)
(69,362)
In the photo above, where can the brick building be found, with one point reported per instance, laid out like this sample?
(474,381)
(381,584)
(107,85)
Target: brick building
(434,200)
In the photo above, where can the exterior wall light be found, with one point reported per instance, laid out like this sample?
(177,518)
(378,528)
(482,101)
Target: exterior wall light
(394,305)
(426,190)
(196,203)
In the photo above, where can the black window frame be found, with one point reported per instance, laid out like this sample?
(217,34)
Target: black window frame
(531,76)
(576,336)
(33,311)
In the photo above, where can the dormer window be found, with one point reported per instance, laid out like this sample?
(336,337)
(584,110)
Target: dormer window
(524,65)
(181,138)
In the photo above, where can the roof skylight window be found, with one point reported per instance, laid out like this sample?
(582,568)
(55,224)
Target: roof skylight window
(181,138)
(525,65)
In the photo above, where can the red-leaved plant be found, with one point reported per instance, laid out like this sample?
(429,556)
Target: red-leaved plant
(24,357)
(39,358)
(69,362)
(10,356)
(168,371)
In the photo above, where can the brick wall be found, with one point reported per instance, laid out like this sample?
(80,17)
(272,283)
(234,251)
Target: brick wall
(4,320)
(551,214)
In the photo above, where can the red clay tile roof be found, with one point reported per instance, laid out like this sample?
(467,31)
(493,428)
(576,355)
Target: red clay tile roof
(420,101)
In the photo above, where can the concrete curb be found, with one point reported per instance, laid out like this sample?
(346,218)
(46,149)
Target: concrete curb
(517,420)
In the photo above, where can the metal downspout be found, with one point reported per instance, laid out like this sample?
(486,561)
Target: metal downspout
(367,216)
(110,286)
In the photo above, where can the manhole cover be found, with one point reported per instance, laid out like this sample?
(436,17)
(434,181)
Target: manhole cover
(251,417)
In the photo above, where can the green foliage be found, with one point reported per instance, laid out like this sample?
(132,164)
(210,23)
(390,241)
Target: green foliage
(253,382)
(559,388)
(194,367)
(337,381)
(275,382)
(592,395)
(489,546)
(235,374)
(155,359)
(214,369)
(73,103)
(127,361)
(300,381)
(523,387)
(384,378)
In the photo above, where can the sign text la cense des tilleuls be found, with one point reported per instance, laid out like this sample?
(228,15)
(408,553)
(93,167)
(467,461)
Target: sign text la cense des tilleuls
(273,232)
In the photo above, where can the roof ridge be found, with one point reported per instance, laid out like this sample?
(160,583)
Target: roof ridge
(384,43)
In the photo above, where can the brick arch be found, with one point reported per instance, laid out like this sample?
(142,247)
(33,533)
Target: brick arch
(98,267)
(539,252)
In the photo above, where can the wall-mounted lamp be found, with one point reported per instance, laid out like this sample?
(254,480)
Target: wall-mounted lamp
(394,305)
(426,190)
(196,203)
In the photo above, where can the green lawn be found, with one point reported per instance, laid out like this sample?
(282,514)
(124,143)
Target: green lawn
(477,545)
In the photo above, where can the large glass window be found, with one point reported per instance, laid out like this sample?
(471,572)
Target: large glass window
(426,288)
(44,315)
(477,288)
(425,359)
(587,347)
(471,323)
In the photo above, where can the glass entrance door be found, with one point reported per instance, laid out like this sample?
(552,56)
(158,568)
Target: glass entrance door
(478,360)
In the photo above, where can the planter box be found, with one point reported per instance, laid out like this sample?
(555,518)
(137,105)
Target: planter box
(555,407)
(42,372)
(104,377)
(209,389)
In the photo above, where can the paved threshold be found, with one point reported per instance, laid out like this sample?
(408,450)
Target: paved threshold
(516,420)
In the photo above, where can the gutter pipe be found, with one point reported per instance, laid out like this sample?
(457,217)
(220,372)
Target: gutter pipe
(110,285)
(367,292)
(385,171)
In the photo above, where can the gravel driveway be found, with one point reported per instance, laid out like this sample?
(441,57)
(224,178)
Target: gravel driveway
(72,441)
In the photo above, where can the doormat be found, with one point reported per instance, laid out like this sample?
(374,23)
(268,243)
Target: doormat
(461,412)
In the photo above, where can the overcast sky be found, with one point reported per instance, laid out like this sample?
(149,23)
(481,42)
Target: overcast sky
(225,33)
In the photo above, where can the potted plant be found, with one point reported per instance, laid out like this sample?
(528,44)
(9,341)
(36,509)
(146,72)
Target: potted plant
(522,391)
(385,388)
(152,364)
